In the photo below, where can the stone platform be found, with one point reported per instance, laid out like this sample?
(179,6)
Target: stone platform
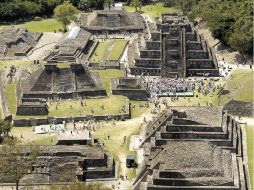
(175,50)
(194,148)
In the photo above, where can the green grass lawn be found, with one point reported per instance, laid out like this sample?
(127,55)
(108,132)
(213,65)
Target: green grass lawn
(115,144)
(117,50)
(136,110)
(100,51)
(107,75)
(5,64)
(250,143)
(45,25)
(108,50)
(11,96)
(112,105)
(240,86)
(153,10)
(45,141)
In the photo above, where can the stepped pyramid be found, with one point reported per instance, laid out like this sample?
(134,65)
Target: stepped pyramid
(194,148)
(175,50)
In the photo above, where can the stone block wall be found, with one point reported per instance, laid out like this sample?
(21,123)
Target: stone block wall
(32,109)
(154,54)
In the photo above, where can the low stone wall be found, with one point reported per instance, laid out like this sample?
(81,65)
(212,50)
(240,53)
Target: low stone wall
(3,96)
(32,109)
(59,120)
(66,95)
(138,94)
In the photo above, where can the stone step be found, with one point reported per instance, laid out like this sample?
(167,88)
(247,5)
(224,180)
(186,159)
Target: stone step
(193,135)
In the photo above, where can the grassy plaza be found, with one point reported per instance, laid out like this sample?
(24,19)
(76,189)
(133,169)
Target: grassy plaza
(108,50)
(44,25)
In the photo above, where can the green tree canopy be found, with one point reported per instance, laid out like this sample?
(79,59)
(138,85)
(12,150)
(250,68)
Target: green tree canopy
(66,13)
(136,4)
(5,128)
(109,3)
(229,21)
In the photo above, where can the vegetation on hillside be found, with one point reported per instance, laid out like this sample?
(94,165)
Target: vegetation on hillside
(229,21)
(11,10)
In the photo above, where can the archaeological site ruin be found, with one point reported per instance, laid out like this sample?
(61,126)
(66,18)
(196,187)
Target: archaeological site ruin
(194,148)
(75,44)
(133,88)
(61,163)
(133,100)
(17,42)
(112,22)
(175,50)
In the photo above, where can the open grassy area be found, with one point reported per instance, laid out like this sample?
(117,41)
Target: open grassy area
(45,141)
(98,106)
(11,96)
(115,145)
(117,50)
(137,110)
(250,145)
(44,25)
(240,87)
(5,64)
(112,105)
(107,75)
(108,50)
(153,10)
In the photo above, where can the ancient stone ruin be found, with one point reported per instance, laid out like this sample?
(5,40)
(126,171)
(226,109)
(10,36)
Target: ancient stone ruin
(194,148)
(175,50)
(17,41)
(56,81)
(75,44)
(73,138)
(60,163)
(112,22)
(133,88)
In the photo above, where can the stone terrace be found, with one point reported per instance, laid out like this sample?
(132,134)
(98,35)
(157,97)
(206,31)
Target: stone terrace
(175,49)
(133,88)
(75,78)
(75,44)
(17,41)
(60,163)
(113,21)
(193,148)
(68,82)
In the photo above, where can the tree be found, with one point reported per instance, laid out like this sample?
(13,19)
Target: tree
(5,128)
(14,161)
(136,4)
(66,13)
(83,5)
(109,3)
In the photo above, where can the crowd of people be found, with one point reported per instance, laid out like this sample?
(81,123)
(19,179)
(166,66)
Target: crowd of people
(170,85)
